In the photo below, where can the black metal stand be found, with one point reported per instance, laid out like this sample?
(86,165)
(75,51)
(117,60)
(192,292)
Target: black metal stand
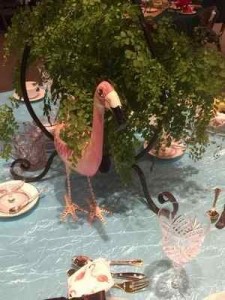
(165,196)
(105,165)
(24,164)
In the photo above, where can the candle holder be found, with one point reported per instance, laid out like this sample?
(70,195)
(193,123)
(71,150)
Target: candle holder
(29,144)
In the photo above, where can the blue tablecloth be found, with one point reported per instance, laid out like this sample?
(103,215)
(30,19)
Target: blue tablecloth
(36,248)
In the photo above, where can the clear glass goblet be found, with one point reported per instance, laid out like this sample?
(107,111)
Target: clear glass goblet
(183,233)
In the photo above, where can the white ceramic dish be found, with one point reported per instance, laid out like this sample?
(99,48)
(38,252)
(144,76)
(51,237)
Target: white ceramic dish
(170,154)
(18,194)
(174,151)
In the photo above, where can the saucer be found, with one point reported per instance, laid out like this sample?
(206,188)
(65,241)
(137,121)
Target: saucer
(40,96)
(19,194)
(175,150)
(170,153)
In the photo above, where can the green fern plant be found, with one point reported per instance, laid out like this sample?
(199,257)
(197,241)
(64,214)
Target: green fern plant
(81,42)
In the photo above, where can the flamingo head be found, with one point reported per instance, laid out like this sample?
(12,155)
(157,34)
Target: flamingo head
(107,97)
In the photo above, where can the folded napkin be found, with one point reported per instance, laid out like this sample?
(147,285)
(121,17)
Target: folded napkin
(94,277)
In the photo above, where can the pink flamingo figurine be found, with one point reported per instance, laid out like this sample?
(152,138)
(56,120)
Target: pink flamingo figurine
(105,97)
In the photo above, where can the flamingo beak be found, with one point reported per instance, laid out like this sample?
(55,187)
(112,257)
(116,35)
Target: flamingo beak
(114,104)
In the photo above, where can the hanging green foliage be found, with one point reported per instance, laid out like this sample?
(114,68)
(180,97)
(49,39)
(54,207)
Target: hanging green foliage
(81,42)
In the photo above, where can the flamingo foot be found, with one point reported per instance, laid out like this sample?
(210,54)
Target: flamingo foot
(70,209)
(97,212)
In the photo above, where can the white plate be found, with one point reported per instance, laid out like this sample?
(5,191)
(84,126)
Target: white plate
(174,151)
(40,96)
(174,154)
(22,194)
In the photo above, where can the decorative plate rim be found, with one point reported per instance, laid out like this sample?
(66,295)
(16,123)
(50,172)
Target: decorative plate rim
(38,98)
(30,190)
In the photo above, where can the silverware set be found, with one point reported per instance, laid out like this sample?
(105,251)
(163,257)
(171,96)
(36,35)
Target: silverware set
(133,286)
(130,282)
(214,215)
(81,260)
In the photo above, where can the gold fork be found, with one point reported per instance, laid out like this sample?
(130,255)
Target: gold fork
(132,286)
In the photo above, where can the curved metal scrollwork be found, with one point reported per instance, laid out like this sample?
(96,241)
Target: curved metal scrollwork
(27,102)
(23,163)
(164,196)
(147,195)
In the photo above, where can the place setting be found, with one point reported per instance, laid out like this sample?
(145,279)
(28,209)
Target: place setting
(16,198)
(165,153)
(187,10)
(217,122)
(216,218)
(168,149)
(92,279)
(183,7)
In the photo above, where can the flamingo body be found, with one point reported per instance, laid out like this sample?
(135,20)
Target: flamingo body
(91,157)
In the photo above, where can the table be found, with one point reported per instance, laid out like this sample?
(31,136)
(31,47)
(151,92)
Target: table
(36,249)
(220,6)
(185,23)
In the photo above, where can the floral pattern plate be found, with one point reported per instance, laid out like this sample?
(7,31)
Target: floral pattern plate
(40,96)
(16,198)
(176,150)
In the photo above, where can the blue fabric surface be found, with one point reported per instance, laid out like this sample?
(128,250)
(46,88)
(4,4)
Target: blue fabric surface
(36,248)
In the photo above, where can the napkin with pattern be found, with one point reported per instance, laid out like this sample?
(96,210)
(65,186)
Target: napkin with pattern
(94,277)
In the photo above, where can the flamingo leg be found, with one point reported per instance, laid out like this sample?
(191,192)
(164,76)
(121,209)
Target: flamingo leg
(70,207)
(95,210)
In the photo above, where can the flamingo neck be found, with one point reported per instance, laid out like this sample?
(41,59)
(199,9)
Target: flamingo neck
(97,127)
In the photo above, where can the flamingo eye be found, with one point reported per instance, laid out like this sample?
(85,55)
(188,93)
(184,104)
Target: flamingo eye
(100,93)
